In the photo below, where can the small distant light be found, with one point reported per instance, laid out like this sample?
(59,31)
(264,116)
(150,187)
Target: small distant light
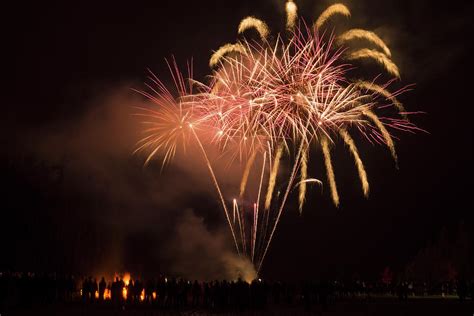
(259,280)
(190,125)
(320,123)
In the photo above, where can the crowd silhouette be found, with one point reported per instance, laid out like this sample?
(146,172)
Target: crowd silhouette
(29,289)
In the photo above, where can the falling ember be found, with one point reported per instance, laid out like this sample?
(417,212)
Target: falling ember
(245,176)
(332,10)
(385,134)
(222,51)
(251,22)
(304,175)
(370,86)
(330,171)
(291,14)
(379,57)
(360,165)
(284,95)
(367,35)
(273,176)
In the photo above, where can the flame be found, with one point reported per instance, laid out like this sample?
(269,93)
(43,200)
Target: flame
(142,295)
(124,293)
(153,295)
(96,295)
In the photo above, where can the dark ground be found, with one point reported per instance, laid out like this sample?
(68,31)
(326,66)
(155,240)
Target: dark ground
(379,306)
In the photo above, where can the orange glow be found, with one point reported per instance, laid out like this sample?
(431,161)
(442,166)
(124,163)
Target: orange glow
(124,293)
(153,295)
(107,294)
(126,278)
(96,295)
(142,295)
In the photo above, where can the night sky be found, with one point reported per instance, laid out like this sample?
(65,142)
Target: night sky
(75,199)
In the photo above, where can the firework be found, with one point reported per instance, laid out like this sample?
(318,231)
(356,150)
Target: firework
(254,23)
(330,170)
(223,50)
(291,15)
(383,92)
(273,176)
(245,176)
(379,57)
(304,175)
(364,34)
(385,134)
(359,164)
(331,11)
(271,101)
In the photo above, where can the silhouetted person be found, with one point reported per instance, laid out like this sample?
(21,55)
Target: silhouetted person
(116,291)
(130,291)
(94,288)
(85,289)
(462,290)
(102,287)
(196,291)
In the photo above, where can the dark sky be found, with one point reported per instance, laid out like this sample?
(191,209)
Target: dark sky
(75,199)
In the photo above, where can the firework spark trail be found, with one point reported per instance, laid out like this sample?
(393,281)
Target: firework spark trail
(216,184)
(273,176)
(245,176)
(304,176)
(370,86)
(262,234)
(282,204)
(330,171)
(233,211)
(261,178)
(379,57)
(242,235)
(257,24)
(360,166)
(385,133)
(224,50)
(364,34)
(334,9)
(254,229)
(291,15)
